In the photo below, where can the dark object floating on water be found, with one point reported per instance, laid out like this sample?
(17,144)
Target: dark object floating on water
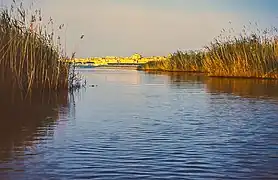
(92,85)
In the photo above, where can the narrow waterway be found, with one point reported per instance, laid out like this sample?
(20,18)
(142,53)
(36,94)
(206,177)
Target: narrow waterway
(137,125)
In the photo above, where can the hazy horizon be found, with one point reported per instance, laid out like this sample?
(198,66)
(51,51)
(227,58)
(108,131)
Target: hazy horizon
(157,27)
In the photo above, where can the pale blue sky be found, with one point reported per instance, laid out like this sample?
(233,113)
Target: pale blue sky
(152,27)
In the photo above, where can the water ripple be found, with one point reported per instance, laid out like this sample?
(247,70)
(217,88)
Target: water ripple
(161,128)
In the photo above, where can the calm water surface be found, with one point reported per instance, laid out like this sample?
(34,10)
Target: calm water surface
(137,125)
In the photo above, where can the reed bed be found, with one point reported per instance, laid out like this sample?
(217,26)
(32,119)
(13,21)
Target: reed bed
(252,56)
(190,61)
(29,57)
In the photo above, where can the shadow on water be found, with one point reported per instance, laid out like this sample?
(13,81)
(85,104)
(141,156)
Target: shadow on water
(246,88)
(25,123)
(179,78)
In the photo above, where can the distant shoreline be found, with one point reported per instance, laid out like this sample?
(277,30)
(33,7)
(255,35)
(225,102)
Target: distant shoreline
(129,67)
(135,67)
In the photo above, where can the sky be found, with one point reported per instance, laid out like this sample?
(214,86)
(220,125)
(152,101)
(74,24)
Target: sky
(150,27)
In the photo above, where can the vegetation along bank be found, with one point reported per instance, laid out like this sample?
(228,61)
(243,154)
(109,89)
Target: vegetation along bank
(29,57)
(249,56)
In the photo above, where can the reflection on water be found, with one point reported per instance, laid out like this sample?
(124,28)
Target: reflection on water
(26,124)
(178,78)
(254,88)
(249,88)
(124,78)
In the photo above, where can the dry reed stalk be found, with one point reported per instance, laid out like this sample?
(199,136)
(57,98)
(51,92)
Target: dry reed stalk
(29,59)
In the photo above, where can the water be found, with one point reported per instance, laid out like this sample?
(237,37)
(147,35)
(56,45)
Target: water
(136,125)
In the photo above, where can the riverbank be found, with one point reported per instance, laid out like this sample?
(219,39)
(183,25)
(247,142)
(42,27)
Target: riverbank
(135,59)
(253,56)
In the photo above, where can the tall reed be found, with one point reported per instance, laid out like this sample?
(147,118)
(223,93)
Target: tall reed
(247,55)
(29,58)
(190,61)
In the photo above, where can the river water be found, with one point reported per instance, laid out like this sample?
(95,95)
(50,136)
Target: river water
(137,125)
